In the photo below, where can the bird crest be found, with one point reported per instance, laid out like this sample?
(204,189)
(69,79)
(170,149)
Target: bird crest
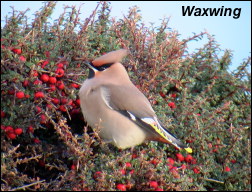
(111,57)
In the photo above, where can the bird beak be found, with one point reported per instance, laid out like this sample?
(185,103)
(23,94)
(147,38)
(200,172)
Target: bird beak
(90,65)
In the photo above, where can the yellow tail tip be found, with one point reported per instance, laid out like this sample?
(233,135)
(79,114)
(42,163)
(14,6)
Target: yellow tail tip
(188,149)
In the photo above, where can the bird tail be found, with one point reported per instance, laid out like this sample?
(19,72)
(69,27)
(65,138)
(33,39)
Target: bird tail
(170,138)
(164,135)
(156,130)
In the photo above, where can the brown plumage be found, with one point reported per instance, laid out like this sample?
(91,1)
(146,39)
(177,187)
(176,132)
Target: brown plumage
(113,105)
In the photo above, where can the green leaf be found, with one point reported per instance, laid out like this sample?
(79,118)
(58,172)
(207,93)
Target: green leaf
(29,64)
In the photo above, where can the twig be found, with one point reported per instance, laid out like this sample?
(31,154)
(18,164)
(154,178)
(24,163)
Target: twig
(89,19)
(25,186)
(28,34)
(25,160)
(213,180)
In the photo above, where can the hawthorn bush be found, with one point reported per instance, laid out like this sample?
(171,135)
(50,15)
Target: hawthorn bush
(45,142)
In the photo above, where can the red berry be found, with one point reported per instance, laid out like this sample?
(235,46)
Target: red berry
(60,85)
(158,189)
(162,94)
(55,101)
(153,184)
(2,114)
(173,168)
(37,82)
(121,187)
(70,102)
(170,166)
(193,161)
(170,160)
(132,171)
(20,94)
(17,51)
(74,105)
(128,164)
(233,161)
(196,170)
(134,156)
(11,92)
(62,108)
(215,150)
(25,83)
(22,58)
(52,80)
(188,158)
(3,127)
(38,109)
(60,65)
(74,85)
(63,101)
(75,111)
(183,166)
(73,167)
(123,171)
(97,174)
(44,77)
(189,141)
(154,161)
(47,53)
(43,117)
(9,129)
(48,106)
(30,129)
(180,157)
(18,131)
(59,72)
(77,101)
(39,94)
(36,140)
(11,135)
(52,88)
(34,73)
(227,169)
(173,95)
(44,63)
(172,105)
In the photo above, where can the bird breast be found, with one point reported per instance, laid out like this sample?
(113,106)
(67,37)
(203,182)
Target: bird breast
(111,125)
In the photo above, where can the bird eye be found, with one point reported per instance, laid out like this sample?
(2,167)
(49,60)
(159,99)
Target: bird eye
(103,67)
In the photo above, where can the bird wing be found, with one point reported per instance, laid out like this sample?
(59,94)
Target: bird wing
(128,98)
(132,103)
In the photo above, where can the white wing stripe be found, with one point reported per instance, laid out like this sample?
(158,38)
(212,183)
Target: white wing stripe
(132,116)
(105,96)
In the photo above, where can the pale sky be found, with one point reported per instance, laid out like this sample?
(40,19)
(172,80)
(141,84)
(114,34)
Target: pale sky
(230,33)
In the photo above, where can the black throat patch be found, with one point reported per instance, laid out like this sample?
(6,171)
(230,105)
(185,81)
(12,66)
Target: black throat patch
(91,73)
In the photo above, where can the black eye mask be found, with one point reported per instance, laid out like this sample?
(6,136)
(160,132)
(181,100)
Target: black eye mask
(103,67)
(92,68)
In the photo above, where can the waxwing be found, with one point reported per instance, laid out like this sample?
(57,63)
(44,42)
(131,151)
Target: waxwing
(116,109)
